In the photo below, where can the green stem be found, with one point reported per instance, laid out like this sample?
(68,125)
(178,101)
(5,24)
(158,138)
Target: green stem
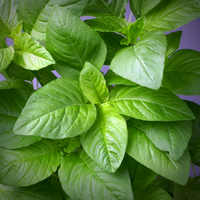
(193,169)
(130,17)
(37,77)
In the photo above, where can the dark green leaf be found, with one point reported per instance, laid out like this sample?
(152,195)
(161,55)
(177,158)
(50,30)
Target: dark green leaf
(93,84)
(144,151)
(3,42)
(82,178)
(105,142)
(39,191)
(58,110)
(15,84)
(8,17)
(107,23)
(29,165)
(162,16)
(141,7)
(114,79)
(152,192)
(140,175)
(196,155)
(6,57)
(105,8)
(187,191)
(147,104)
(30,54)
(11,104)
(173,41)
(144,62)
(167,136)
(72,42)
(182,72)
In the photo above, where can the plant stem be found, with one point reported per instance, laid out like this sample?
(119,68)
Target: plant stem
(130,17)
(37,77)
(193,169)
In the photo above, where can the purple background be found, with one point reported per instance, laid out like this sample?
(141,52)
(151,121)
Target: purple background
(190,40)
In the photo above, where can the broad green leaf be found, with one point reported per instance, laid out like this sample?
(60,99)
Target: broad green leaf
(187,191)
(93,84)
(144,62)
(114,79)
(105,142)
(147,104)
(152,192)
(112,41)
(58,110)
(182,72)
(8,16)
(140,175)
(105,8)
(11,104)
(16,30)
(39,191)
(66,71)
(6,57)
(82,178)
(167,136)
(30,54)
(173,41)
(158,161)
(29,165)
(71,42)
(107,23)
(3,42)
(141,7)
(196,156)
(15,84)
(162,16)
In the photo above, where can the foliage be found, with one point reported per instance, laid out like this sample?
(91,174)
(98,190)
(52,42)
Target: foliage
(86,135)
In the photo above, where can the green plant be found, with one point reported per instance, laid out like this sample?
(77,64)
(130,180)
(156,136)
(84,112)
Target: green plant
(87,135)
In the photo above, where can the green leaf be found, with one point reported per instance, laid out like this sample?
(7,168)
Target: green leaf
(15,84)
(114,79)
(140,175)
(107,23)
(160,162)
(167,136)
(3,42)
(182,72)
(16,30)
(73,43)
(152,192)
(58,110)
(141,7)
(112,41)
(30,54)
(66,71)
(39,191)
(8,17)
(196,155)
(93,183)
(173,41)
(29,165)
(187,191)
(105,142)
(11,104)
(162,16)
(93,84)
(147,104)
(144,62)
(6,57)
(73,145)
(105,8)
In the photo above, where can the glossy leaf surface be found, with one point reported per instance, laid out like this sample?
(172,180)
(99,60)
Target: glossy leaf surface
(30,54)
(73,43)
(144,151)
(147,104)
(144,62)
(94,182)
(58,110)
(12,102)
(93,84)
(182,72)
(29,165)
(105,142)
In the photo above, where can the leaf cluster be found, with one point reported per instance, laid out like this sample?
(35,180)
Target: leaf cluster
(85,135)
